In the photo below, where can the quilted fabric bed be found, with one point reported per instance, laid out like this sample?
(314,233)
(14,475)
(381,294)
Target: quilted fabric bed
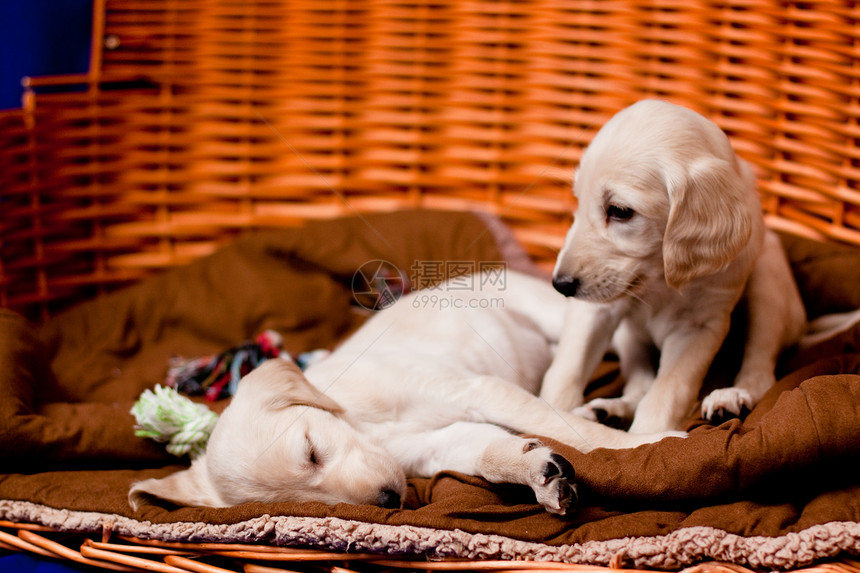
(778,490)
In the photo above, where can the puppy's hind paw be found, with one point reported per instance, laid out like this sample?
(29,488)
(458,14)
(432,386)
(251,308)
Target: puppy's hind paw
(589,413)
(612,412)
(555,489)
(726,403)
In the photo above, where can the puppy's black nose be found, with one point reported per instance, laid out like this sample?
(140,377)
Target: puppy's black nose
(389,499)
(566,285)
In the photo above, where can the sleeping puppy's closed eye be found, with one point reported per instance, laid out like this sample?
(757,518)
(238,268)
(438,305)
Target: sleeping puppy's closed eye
(668,238)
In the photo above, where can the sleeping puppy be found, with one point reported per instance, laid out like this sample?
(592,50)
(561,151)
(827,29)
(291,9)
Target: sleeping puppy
(667,239)
(435,382)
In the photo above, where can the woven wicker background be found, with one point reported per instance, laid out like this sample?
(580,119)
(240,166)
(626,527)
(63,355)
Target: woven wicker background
(201,118)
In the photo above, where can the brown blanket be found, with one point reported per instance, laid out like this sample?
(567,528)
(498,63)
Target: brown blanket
(776,491)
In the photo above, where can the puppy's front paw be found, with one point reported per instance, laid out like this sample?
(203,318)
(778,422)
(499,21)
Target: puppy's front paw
(726,403)
(554,485)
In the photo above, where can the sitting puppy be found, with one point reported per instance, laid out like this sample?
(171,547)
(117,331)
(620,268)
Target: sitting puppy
(668,238)
(417,390)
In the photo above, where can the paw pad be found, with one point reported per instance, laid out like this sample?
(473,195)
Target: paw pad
(558,466)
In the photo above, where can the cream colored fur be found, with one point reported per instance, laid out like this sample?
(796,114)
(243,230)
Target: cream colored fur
(417,390)
(668,238)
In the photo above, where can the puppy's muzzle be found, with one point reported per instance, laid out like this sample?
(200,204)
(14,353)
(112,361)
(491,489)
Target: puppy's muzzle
(568,286)
(389,499)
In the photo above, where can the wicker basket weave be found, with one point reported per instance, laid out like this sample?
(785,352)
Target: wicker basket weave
(146,556)
(208,117)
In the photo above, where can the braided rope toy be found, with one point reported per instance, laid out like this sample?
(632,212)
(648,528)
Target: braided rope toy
(217,376)
(166,416)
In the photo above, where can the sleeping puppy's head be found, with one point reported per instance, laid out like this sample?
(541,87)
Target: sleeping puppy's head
(282,440)
(661,195)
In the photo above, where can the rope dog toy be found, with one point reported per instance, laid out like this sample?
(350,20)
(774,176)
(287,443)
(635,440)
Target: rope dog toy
(165,415)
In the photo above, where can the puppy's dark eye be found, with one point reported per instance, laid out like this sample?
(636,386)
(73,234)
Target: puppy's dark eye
(618,213)
(312,457)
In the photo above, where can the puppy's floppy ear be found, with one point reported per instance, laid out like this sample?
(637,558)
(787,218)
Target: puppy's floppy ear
(709,220)
(186,487)
(283,384)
